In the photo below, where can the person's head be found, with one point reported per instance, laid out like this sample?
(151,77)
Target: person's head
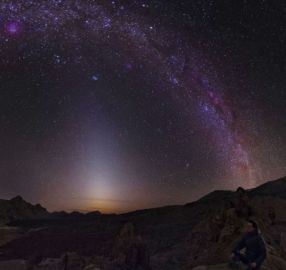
(251,226)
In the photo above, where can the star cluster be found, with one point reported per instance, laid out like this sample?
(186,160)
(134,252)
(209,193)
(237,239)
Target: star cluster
(120,105)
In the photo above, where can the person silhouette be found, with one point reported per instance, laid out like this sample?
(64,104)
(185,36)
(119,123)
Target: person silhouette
(254,246)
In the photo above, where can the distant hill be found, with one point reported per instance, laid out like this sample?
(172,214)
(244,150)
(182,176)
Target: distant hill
(276,188)
(18,209)
(216,195)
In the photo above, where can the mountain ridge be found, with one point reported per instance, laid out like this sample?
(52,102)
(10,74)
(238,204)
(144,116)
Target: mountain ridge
(272,188)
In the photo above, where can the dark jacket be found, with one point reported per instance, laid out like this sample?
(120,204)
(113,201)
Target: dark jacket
(255,247)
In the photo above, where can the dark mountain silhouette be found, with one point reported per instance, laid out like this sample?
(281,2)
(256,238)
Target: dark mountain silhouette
(276,188)
(172,237)
(18,209)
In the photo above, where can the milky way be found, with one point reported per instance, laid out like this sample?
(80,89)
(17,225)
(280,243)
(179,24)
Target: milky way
(119,105)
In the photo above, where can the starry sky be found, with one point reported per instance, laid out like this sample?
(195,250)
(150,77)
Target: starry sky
(123,105)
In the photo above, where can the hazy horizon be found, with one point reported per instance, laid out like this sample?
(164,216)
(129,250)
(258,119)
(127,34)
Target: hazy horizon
(130,209)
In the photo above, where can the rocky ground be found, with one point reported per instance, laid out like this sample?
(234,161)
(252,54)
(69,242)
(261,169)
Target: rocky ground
(195,236)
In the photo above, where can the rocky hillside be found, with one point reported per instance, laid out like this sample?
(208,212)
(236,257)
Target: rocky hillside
(18,209)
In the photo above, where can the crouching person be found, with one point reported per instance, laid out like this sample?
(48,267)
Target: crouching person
(254,249)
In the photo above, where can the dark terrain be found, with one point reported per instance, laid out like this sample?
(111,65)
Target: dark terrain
(171,237)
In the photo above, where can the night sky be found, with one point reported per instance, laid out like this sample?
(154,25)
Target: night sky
(123,105)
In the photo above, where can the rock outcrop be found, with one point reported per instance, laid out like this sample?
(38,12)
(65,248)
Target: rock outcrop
(18,209)
(130,251)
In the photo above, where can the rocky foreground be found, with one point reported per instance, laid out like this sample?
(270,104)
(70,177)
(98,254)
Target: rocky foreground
(196,236)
